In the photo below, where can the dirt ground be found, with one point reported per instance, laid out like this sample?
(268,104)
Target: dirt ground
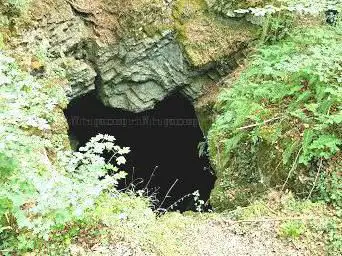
(215,238)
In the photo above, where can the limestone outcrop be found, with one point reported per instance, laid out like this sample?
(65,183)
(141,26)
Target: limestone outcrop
(135,53)
(137,74)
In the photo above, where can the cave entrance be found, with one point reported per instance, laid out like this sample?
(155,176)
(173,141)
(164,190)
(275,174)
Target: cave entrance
(164,146)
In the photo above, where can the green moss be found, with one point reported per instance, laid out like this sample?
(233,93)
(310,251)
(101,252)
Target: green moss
(206,37)
(130,219)
(205,117)
(138,18)
(237,181)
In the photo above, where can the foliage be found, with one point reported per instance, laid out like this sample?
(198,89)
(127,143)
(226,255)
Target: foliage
(311,224)
(329,185)
(285,108)
(36,193)
(29,195)
(277,17)
(292,229)
(314,7)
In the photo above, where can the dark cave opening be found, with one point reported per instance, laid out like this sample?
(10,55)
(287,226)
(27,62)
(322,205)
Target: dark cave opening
(164,146)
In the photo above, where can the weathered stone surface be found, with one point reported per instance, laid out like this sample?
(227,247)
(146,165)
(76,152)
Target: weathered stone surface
(227,8)
(138,61)
(135,75)
(81,76)
(142,73)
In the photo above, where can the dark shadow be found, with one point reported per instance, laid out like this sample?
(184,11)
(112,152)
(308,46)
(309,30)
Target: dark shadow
(165,138)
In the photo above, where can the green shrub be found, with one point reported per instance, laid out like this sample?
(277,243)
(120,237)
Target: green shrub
(284,114)
(292,229)
(329,185)
(38,194)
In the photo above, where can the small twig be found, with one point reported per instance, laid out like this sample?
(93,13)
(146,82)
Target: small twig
(273,219)
(293,243)
(167,194)
(133,173)
(111,158)
(148,183)
(279,219)
(269,208)
(135,183)
(259,124)
(316,178)
(292,168)
(178,201)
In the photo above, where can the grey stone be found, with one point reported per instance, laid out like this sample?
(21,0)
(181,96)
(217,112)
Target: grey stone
(81,76)
(131,74)
(143,73)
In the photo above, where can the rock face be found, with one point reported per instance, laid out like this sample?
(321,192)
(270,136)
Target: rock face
(136,75)
(227,8)
(81,76)
(137,55)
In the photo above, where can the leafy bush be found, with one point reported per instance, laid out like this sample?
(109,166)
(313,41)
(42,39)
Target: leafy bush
(292,229)
(44,186)
(329,185)
(40,200)
(284,114)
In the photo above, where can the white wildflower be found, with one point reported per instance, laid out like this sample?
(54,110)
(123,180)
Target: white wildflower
(124,150)
(82,149)
(109,138)
(99,148)
(121,160)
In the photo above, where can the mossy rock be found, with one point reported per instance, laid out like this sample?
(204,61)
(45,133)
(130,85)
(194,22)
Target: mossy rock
(206,37)
(252,171)
(108,20)
(247,175)
(227,8)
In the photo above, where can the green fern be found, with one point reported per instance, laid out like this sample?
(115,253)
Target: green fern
(288,97)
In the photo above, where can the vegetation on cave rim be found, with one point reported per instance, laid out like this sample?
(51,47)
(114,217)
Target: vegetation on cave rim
(279,124)
(46,190)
